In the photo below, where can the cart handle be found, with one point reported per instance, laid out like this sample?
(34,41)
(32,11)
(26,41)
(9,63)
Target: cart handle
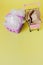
(35,3)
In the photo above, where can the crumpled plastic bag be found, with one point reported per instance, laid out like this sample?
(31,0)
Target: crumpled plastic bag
(14,20)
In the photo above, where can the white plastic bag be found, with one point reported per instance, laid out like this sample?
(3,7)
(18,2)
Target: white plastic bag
(14,20)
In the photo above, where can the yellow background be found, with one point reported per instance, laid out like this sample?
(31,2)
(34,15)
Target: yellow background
(25,48)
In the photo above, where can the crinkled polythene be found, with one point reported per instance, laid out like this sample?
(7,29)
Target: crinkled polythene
(14,20)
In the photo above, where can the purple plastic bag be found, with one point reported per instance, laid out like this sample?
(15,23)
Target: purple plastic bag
(14,20)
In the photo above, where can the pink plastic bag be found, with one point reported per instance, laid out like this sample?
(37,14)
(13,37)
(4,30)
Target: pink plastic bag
(15,20)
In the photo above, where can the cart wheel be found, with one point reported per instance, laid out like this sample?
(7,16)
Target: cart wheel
(38,29)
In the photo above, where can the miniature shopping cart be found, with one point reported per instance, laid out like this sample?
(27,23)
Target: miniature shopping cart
(33,17)
(35,24)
